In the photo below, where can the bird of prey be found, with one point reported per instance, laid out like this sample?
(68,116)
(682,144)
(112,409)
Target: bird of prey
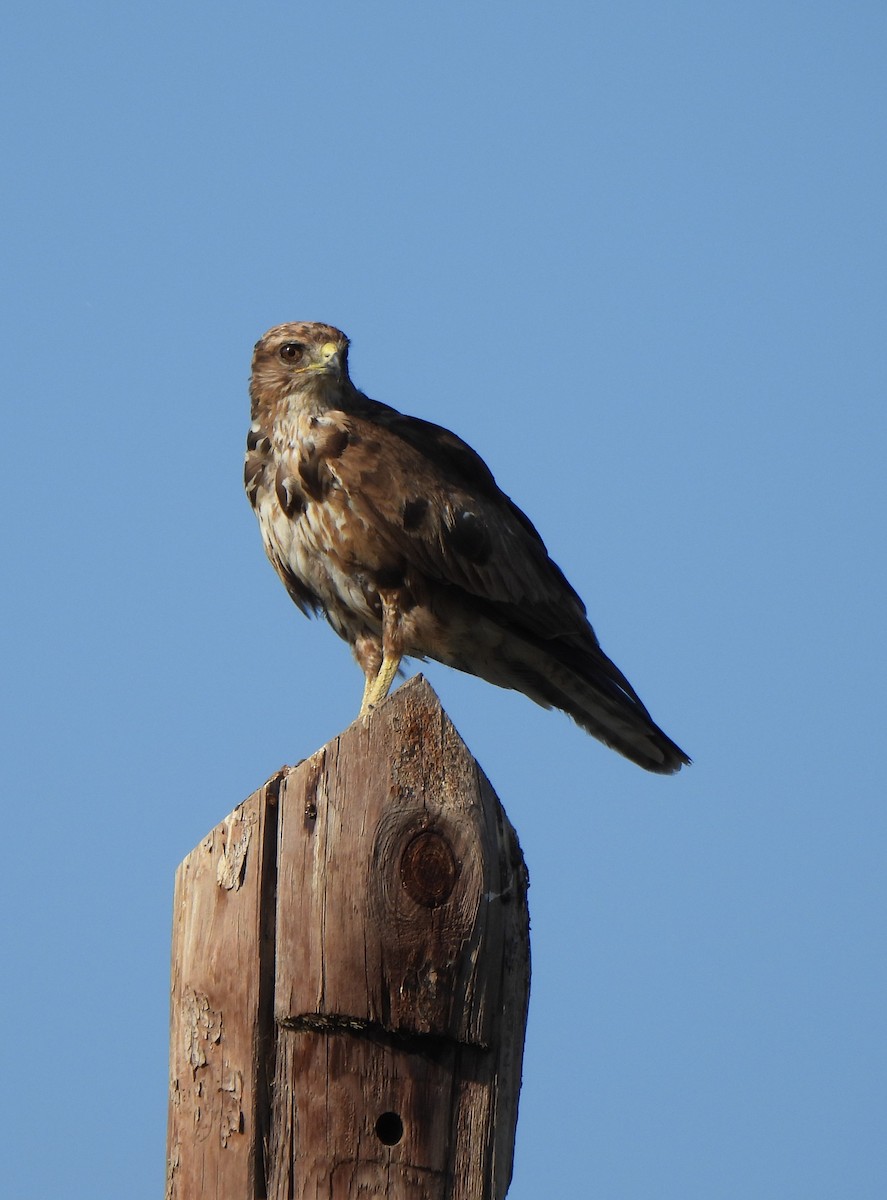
(396,531)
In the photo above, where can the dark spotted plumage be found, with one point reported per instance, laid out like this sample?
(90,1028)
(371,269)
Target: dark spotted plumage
(469,537)
(395,529)
(414,513)
(289,494)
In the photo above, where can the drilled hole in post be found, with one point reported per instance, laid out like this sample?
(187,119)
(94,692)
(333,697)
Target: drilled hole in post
(389,1129)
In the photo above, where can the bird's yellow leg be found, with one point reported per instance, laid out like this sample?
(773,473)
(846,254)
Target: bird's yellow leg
(392,650)
(378,684)
(375,692)
(366,699)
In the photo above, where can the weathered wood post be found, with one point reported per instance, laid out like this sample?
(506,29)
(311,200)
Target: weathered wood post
(350,974)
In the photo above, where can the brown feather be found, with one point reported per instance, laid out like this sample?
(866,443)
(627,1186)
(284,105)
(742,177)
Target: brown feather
(395,529)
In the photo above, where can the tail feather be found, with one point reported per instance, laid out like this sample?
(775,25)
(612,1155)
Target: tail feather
(591,689)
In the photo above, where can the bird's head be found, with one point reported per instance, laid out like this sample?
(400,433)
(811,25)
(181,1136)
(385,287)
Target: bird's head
(295,358)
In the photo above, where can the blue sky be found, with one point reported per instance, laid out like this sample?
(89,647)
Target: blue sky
(635,255)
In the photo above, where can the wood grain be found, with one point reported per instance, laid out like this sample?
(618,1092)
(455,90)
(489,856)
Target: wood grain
(350,977)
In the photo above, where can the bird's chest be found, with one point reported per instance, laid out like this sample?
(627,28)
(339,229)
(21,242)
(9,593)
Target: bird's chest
(312,522)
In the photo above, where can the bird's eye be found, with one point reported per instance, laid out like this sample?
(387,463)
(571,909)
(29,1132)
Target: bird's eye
(291,352)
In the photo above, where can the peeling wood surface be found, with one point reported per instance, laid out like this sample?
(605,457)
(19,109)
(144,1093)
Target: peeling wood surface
(350,977)
(218,1029)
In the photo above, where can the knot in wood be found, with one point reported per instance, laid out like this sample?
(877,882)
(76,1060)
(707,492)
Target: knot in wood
(428,869)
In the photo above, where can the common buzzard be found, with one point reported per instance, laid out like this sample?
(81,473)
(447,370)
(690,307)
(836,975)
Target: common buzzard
(395,530)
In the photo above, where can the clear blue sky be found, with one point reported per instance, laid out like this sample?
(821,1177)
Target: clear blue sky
(635,254)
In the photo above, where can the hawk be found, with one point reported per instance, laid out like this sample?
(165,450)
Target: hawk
(396,531)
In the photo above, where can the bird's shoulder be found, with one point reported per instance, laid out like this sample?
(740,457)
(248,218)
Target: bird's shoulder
(439,446)
(435,498)
(442,454)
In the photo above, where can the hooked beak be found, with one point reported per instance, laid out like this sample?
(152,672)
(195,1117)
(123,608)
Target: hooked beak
(329,361)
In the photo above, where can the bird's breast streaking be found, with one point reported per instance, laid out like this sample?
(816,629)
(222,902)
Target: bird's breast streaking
(395,530)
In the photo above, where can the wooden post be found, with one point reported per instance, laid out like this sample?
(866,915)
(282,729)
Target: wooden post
(350,974)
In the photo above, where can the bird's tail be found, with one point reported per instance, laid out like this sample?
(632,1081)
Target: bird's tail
(582,682)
